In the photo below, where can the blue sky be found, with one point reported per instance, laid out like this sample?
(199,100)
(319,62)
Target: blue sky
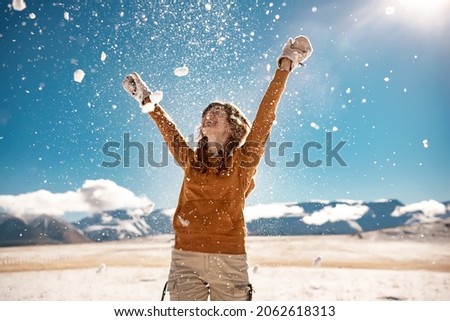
(378,79)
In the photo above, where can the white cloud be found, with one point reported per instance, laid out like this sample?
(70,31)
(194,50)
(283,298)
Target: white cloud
(94,196)
(271,210)
(429,208)
(341,212)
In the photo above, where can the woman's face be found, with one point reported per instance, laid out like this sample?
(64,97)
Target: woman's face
(215,123)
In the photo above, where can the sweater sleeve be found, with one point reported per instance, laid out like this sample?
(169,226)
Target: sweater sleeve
(176,143)
(265,116)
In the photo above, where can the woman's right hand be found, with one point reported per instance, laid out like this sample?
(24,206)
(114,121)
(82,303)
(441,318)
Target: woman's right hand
(138,89)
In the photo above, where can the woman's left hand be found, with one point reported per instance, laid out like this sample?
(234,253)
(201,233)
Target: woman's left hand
(297,51)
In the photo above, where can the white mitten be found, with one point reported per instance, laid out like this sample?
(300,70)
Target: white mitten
(136,87)
(297,50)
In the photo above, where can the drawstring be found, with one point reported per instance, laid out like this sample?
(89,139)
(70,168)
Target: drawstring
(164,291)
(250,292)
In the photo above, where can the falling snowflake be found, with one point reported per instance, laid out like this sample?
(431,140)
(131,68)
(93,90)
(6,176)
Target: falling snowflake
(389,10)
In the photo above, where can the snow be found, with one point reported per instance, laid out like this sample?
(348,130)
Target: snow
(147,108)
(78,75)
(320,201)
(155,98)
(181,71)
(169,211)
(315,126)
(425,143)
(103,56)
(349,201)
(280,268)
(381,200)
(389,10)
(66,16)
(19,5)
(184,223)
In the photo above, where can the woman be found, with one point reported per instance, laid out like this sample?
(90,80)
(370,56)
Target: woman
(209,257)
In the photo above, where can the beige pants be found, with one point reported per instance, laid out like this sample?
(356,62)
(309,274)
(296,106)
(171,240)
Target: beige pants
(195,276)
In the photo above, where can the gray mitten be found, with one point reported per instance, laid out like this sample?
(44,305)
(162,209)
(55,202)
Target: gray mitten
(297,51)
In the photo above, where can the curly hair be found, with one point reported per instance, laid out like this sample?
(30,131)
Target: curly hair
(240,128)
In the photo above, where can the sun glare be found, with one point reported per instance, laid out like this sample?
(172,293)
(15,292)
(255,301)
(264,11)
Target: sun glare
(420,13)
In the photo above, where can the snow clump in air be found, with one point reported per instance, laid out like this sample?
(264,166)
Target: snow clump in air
(18,5)
(181,71)
(155,98)
(317,262)
(78,75)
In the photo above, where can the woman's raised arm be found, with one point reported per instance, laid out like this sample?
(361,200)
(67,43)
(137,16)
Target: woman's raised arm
(174,140)
(294,53)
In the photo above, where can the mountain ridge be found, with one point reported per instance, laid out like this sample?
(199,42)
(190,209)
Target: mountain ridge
(301,218)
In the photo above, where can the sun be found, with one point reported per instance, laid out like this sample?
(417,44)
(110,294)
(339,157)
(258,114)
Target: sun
(423,6)
(420,14)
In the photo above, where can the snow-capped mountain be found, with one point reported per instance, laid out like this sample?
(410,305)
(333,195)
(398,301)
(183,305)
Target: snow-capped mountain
(121,224)
(340,217)
(42,229)
(305,218)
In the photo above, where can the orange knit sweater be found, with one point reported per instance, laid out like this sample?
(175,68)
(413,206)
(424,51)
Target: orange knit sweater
(209,216)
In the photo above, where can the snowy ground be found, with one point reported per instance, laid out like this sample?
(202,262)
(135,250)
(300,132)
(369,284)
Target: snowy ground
(281,268)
